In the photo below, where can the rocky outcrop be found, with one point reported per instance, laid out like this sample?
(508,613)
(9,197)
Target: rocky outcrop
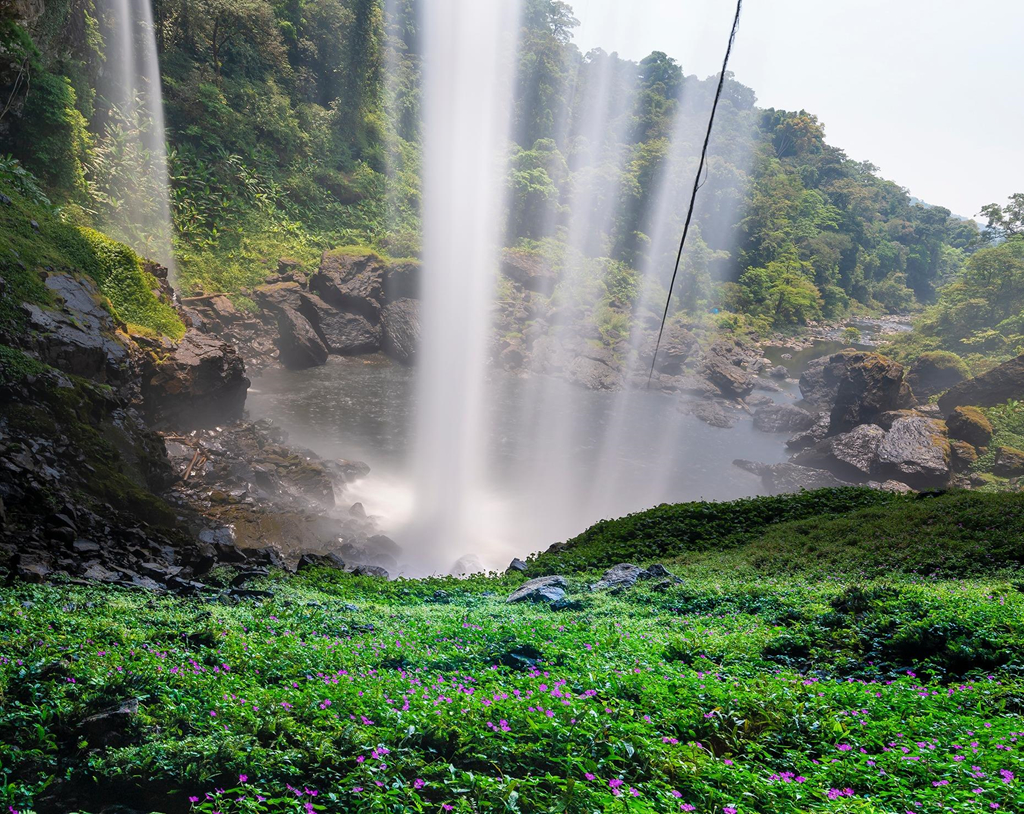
(721,368)
(916,450)
(341,332)
(200,382)
(297,342)
(994,387)
(869,385)
(401,335)
(783,418)
(528,270)
(712,413)
(351,282)
(677,346)
(623,575)
(543,589)
(851,455)
(971,425)
(80,336)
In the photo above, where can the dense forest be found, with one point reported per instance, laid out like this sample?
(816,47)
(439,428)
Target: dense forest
(293,127)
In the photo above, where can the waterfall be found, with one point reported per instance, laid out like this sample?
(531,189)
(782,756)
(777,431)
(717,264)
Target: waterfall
(131,170)
(467,78)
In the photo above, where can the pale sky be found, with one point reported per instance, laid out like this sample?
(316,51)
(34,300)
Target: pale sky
(927,90)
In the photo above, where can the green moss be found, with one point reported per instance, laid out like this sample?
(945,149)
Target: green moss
(53,244)
(15,366)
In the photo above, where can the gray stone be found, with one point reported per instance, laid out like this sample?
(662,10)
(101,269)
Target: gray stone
(298,343)
(542,589)
(993,387)
(782,418)
(517,565)
(401,323)
(916,450)
(623,575)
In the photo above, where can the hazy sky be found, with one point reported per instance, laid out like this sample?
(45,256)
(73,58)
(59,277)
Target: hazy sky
(927,90)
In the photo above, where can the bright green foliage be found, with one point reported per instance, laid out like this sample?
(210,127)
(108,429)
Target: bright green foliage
(673,530)
(15,366)
(25,249)
(722,693)
(979,313)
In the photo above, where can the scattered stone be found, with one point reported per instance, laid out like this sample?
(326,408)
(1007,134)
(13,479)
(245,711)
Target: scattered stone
(542,589)
(962,455)
(935,372)
(851,454)
(298,343)
(971,425)
(623,575)
(99,573)
(730,379)
(711,413)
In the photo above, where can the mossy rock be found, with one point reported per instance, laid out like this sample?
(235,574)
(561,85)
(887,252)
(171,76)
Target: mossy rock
(971,425)
(1009,462)
(935,372)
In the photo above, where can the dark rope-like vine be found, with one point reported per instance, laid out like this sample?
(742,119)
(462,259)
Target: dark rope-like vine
(697,184)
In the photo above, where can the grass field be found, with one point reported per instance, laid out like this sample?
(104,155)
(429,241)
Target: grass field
(728,692)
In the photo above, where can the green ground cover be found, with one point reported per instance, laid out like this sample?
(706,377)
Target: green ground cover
(730,691)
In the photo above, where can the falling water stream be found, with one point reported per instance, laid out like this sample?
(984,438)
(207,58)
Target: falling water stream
(134,130)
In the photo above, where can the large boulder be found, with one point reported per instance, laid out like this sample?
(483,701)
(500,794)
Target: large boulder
(677,346)
(865,386)
(935,372)
(402,280)
(1009,462)
(200,383)
(341,332)
(298,343)
(351,282)
(1000,384)
(623,575)
(916,450)
(401,335)
(852,455)
(80,336)
(789,477)
(529,270)
(971,425)
(711,413)
(783,418)
(721,369)
(541,589)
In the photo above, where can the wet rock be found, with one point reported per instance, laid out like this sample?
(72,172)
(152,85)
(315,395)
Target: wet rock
(542,589)
(402,280)
(331,560)
(720,369)
(711,413)
(342,332)
(809,438)
(852,454)
(200,383)
(1009,462)
(29,568)
(401,334)
(779,372)
(869,385)
(971,425)
(352,283)
(99,573)
(916,450)
(529,270)
(790,477)
(782,418)
(297,341)
(677,346)
(517,565)
(993,387)
(111,727)
(623,575)
(819,384)
(594,374)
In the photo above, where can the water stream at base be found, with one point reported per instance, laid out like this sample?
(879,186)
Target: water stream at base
(364,408)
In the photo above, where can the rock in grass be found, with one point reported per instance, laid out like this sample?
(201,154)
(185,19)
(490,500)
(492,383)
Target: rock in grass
(1009,462)
(516,565)
(370,571)
(541,589)
(111,727)
(971,425)
(623,575)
